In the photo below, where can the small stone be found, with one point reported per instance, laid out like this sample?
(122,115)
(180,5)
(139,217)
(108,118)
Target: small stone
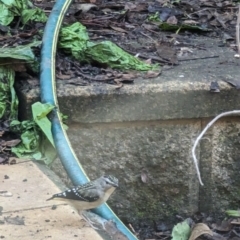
(54,207)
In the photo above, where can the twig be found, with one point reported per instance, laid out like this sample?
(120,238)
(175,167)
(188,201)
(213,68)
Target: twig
(158,59)
(133,230)
(148,37)
(195,161)
(197,58)
(79,71)
(237,30)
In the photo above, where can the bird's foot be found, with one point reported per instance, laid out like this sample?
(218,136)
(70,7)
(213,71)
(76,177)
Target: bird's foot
(88,220)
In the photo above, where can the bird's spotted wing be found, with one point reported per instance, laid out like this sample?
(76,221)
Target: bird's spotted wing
(85,192)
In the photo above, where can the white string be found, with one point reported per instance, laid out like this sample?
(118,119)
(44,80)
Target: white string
(195,161)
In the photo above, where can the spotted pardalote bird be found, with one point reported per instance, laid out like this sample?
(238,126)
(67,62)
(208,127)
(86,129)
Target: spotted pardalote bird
(89,195)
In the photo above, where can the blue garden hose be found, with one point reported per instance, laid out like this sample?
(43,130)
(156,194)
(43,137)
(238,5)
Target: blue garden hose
(49,95)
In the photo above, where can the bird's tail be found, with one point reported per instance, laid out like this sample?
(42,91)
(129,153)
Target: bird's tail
(50,198)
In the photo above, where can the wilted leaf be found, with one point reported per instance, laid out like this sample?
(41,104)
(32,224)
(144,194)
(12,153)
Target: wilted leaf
(200,229)
(113,56)
(22,8)
(74,39)
(23,52)
(34,144)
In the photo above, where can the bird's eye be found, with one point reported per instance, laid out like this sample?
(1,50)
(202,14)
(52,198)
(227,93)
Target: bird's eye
(107,182)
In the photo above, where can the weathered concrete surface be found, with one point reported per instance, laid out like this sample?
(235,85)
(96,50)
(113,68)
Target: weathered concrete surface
(126,150)
(149,127)
(25,213)
(139,102)
(220,165)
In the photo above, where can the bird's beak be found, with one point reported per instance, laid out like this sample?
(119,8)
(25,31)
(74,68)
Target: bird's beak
(115,185)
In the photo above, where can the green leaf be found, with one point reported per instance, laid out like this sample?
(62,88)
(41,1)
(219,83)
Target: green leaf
(36,15)
(110,54)
(154,17)
(40,112)
(172,27)
(21,53)
(181,231)
(74,40)
(29,136)
(49,152)
(34,143)
(20,8)
(8,99)
(6,15)
(233,213)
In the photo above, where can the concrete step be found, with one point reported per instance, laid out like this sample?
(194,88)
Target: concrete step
(25,213)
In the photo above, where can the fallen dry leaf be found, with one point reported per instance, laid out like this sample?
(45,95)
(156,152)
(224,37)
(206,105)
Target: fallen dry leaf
(11,143)
(2,159)
(172,20)
(144,176)
(153,74)
(118,29)
(130,6)
(223,226)
(63,76)
(15,160)
(85,7)
(148,61)
(200,229)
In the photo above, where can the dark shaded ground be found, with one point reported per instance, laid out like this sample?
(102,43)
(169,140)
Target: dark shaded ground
(155,31)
